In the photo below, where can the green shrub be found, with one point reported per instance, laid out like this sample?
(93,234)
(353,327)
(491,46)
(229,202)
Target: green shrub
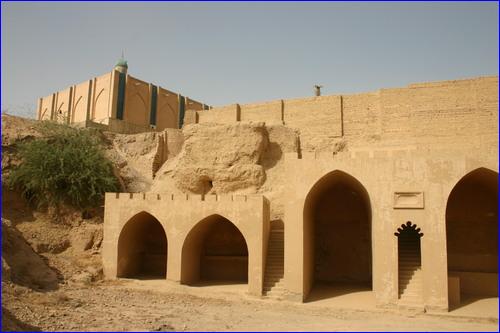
(65,166)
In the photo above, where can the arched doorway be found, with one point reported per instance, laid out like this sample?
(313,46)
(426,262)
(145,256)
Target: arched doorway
(337,236)
(410,279)
(472,237)
(214,251)
(142,248)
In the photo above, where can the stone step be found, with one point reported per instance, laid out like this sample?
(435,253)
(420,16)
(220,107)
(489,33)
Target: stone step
(410,288)
(275,288)
(410,297)
(406,276)
(275,268)
(275,257)
(275,261)
(273,283)
(273,278)
(413,268)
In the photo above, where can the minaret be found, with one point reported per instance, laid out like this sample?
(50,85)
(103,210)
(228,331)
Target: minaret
(121,66)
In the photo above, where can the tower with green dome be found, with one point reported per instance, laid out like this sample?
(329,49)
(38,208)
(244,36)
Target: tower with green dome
(121,66)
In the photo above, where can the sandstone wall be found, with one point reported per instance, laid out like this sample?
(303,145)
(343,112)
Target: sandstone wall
(221,115)
(269,112)
(319,120)
(427,114)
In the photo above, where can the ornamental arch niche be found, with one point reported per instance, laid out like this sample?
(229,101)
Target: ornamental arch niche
(410,280)
(142,248)
(472,237)
(337,235)
(214,251)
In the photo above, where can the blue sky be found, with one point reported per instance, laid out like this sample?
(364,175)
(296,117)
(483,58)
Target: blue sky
(221,53)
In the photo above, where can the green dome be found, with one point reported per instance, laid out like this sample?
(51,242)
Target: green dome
(121,63)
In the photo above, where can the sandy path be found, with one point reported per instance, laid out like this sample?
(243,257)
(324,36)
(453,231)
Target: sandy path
(130,306)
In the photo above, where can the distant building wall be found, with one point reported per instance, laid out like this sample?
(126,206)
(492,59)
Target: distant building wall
(102,98)
(167,112)
(62,105)
(137,101)
(191,104)
(80,102)
(143,106)
(46,107)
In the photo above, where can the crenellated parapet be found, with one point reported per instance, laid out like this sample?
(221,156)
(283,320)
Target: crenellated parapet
(170,197)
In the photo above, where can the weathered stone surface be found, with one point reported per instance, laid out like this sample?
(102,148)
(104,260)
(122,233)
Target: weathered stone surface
(23,265)
(216,158)
(86,237)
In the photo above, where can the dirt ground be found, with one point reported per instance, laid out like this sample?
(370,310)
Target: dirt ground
(129,305)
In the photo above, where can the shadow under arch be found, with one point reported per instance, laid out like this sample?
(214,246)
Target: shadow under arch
(214,251)
(142,248)
(337,237)
(472,237)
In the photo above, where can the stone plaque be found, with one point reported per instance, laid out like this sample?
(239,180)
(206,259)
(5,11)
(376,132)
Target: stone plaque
(408,200)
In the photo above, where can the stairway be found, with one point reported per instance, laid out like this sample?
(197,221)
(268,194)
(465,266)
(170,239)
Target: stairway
(273,279)
(410,271)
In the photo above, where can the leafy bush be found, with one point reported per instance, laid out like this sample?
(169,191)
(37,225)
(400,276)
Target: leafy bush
(65,166)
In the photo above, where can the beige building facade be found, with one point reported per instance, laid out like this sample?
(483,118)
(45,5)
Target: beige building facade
(118,102)
(408,212)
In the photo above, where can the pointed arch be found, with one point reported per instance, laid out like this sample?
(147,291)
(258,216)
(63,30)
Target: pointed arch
(214,249)
(142,248)
(337,233)
(95,103)
(472,236)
